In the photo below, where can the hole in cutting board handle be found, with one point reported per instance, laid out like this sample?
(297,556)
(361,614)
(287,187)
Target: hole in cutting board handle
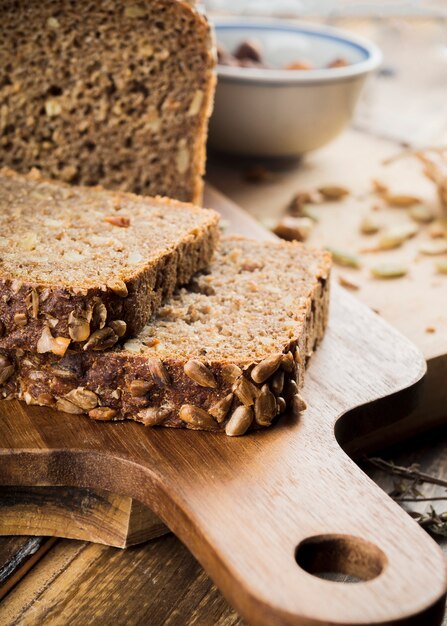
(340,558)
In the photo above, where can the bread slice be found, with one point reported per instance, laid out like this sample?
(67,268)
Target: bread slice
(111,92)
(227,353)
(83,267)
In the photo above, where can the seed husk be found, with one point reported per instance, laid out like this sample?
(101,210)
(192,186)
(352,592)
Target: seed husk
(369,225)
(196,416)
(266,368)
(139,388)
(239,422)
(78,327)
(389,270)
(246,391)
(158,372)
(200,374)
(441,266)
(333,193)
(345,258)
(265,407)
(221,408)
(433,248)
(83,398)
(421,214)
(102,413)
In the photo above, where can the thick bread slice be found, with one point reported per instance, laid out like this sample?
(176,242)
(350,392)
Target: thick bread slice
(83,267)
(111,92)
(227,353)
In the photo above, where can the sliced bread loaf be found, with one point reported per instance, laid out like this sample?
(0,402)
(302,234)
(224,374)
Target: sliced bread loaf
(111,92)
(227,353)
(83,267)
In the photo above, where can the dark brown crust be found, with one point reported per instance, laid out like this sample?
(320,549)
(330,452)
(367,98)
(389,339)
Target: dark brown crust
(43,379)
(21,325)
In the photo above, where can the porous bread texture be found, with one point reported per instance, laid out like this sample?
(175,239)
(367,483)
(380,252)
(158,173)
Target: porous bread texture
(110,92)
(84,267)
(230,348)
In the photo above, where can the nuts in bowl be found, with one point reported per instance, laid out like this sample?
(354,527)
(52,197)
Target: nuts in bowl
(285,88)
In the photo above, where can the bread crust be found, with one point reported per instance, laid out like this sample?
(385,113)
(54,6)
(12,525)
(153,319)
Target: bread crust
(29,309)
(175,392)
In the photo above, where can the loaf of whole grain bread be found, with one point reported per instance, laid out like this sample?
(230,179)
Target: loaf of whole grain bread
(82,267)
(111,92)
(226,353)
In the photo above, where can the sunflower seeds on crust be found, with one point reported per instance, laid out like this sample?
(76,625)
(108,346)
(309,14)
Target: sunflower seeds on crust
(265,407)
(101,339)
(200,374)
(119,327)
(6,369)
(99,315)
(246,391)
(277,383)
(281,405)
(240,421)
(266,368)
(287,362)
(68,407)
(196,416)
(158,372)
(221,408)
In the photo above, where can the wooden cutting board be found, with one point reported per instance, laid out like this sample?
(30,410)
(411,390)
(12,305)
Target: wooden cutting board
(267,512)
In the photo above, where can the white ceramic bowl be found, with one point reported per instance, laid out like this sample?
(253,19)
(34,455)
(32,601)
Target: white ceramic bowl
(278,112)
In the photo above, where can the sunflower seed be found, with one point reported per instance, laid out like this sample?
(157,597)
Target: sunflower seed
(239,422)
(78,327)
(153,416)
(266,368)
(139,388)
(221,408)
(102,413)
(101,339)
(438,229)
(196,416)
(99,315)
(394,238)
(345,258)
(200,374)
(298,404)
(246,391)
(83,398)
(441,266)
(48,343)
(158,372)
(230,373)
(401,200)
(21,319)
(290,389)
(281,405)
(265,407)
(389,270)
(433,248)
(6,370)
(277,383)
(421,214)
(119,287)
(119,327)
(68,407)
(32,302)
(333,192)
(369,225)
(287,362)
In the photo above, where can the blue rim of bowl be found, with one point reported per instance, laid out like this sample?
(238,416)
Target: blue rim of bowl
(287,78)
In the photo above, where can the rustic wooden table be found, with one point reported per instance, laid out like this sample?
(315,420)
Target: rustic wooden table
(59,581)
